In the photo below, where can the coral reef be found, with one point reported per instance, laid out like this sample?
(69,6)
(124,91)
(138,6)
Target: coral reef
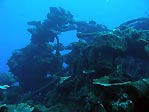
(107,69)
(22,107)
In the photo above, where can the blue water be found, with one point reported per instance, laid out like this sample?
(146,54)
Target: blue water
(15,13)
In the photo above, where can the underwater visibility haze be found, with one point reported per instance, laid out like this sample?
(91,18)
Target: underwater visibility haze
(16,13)
(74,56)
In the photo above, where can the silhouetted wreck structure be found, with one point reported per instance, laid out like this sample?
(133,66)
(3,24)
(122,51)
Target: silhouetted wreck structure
(107,69)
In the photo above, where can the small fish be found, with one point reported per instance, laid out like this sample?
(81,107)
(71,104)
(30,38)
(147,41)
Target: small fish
(4,86)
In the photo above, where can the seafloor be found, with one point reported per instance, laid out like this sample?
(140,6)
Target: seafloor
(105,71)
